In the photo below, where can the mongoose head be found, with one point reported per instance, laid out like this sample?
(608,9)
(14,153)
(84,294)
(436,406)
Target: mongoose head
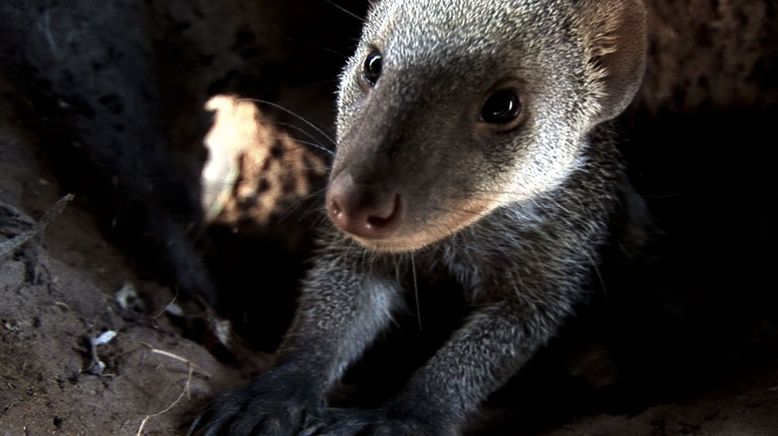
(450,109)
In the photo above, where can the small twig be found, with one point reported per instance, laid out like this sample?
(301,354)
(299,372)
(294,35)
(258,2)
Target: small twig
(184,392)
(168,306)
(181,359)
(187,386)
(12,244)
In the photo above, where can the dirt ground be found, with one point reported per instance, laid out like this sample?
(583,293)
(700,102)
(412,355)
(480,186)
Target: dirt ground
(61,289)
(58,291)
(705,363)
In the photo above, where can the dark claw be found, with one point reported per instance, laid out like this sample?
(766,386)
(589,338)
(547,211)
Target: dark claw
(273,405)
(195,425)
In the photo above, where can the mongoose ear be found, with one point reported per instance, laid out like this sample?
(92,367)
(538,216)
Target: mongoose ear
(614,34)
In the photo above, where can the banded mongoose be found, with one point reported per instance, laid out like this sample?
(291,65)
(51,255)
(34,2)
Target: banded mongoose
(472,137)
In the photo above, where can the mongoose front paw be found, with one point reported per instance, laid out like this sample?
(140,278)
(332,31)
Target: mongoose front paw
(274,405)
(378,422)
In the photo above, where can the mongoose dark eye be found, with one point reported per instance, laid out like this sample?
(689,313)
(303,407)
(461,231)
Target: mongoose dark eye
(502,107)
(374,64)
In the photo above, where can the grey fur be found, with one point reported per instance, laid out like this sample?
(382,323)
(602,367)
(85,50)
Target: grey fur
(518,218)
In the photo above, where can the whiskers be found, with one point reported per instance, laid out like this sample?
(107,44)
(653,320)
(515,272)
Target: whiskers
(312,140)
(294,114)
(416,290)
(274,178)
(344,10)
(313,198)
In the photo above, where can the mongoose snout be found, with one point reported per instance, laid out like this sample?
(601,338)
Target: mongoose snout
(366,211)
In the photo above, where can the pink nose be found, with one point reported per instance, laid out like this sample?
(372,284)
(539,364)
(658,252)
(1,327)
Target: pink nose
(362,210)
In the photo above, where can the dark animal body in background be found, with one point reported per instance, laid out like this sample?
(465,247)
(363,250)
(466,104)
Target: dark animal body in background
(472,141)
(116,95)
(85,87)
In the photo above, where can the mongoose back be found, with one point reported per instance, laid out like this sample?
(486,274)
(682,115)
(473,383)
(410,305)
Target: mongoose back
(470,137)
